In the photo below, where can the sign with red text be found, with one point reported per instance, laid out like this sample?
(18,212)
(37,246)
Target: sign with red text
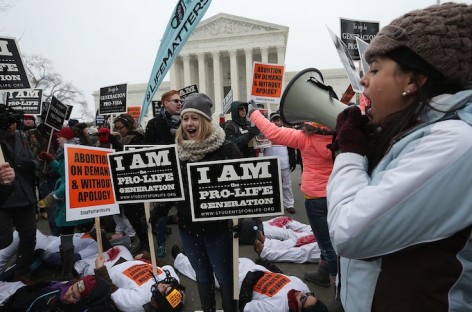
(267,83)
(88,181)
(237,188)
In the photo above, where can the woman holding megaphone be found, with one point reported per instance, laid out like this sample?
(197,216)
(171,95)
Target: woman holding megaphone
(399,197)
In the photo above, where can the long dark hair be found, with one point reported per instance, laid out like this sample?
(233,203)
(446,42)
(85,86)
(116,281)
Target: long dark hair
(399,122)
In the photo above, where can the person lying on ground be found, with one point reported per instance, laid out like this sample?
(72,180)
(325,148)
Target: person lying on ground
(262,289)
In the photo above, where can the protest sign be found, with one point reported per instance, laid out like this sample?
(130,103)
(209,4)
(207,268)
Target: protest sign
(156,107)
(134,111)
(184,92)
(227,102)
(267,82)
(25,101)
(113,99)
(56,114)
(236,188)
(348,63)
(362,47)
(353,29)
(90,193)
(186,15)
(69,111)
(12,69)
(147,174)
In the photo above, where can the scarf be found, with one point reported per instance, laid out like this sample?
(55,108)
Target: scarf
(173,121)
(196,150)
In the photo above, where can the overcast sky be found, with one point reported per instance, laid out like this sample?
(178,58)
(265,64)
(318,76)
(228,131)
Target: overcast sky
(97,43)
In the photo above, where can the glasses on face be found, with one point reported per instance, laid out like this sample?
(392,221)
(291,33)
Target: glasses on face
(176,101)
(119,128)
(305,297)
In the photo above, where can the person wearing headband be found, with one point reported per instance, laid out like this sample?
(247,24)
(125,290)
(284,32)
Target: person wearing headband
(399,196)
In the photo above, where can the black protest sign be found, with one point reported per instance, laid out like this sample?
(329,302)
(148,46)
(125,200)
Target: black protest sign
(352,29)
(25,101)
(238,188)
(156,107)
(148,174)
(113,99)
(184,92)
(56,114)
(12,69)
(69,111)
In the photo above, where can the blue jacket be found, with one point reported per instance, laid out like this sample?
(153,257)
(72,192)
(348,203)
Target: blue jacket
(404,232)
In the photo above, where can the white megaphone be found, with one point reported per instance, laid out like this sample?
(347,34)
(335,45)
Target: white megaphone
(307,98)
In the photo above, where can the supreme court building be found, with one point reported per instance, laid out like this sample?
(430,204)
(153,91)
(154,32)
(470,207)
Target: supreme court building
(219,57)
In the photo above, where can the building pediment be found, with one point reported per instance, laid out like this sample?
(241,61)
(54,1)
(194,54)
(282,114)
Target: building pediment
(226,25)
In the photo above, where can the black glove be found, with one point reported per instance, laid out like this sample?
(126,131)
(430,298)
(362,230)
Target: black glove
(245,294)
(293,166)
(251,107)
(253,131)
(29,165)
(236,229)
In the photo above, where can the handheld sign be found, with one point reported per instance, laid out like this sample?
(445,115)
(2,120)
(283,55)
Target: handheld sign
(351,30)
(237,188)
(148,174)
(185,92)
(56,114)
(227,102)
(12,69)
(113,99)
(267,83)
(25,101)
(156,107)
(348,63)
(90,192)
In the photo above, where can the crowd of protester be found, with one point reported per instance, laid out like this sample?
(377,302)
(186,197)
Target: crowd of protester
(386,196)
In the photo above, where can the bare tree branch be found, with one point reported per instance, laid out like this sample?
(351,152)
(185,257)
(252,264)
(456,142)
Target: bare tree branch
(42,76)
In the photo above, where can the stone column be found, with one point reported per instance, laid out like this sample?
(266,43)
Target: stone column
(174,75)
(218,100)
(234,73)
(281,55)
(201,73)
(186,60)
(265,54)
(249,73)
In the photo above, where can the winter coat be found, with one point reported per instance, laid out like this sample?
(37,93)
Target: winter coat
(404,232)
(317,160)
(227,151)
(58,167)
(23,191)
(159,132)
(238,131)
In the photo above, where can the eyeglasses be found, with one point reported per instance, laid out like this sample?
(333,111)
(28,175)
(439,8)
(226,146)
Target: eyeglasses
(176,101)
(305,297)
(119,128)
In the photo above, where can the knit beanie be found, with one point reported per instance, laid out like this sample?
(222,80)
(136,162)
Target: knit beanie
(440,35)
(67,133)
(86,285)
(198,103)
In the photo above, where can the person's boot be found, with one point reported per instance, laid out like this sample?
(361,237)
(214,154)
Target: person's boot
(207,296)
(161,251)
(67,264)
(321,276)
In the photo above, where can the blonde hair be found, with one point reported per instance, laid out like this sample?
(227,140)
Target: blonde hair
(206,129)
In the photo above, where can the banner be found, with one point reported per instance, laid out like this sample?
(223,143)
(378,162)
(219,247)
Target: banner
(12,69)
(25,101)
(88,183)
(237,188)
(183,21)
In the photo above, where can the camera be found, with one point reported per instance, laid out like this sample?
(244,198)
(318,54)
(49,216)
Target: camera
(8,117)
